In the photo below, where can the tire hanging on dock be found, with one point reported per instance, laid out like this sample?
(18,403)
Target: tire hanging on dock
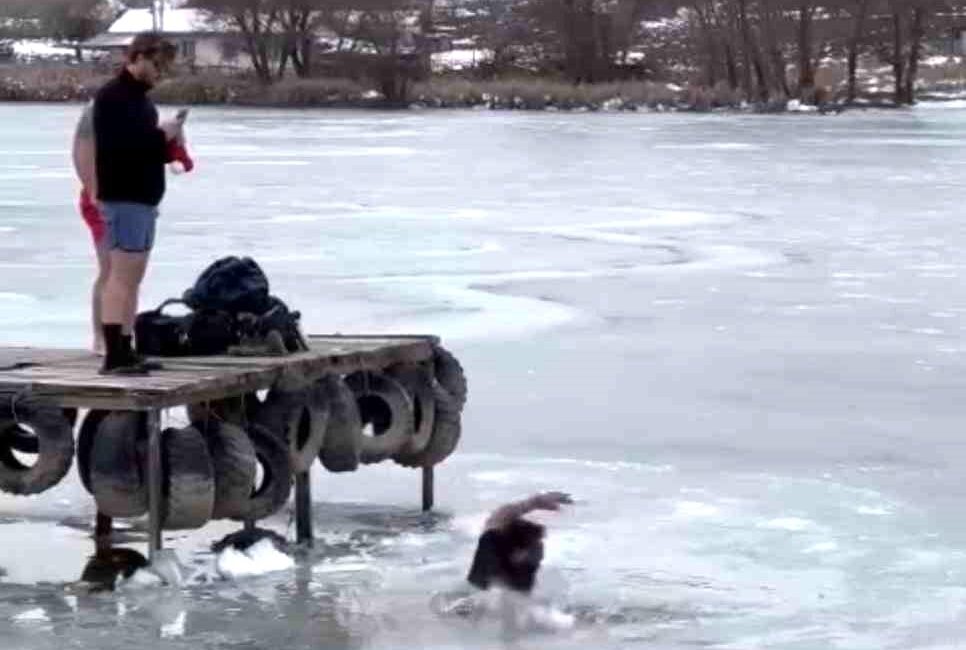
(272,493)
(34,417)
(234,461)
(447,429)
(85,443)
(117,462)
(188,479)
(342,447)
(299,418)
(26,442)
(449,373)
(386,407)
(418,381)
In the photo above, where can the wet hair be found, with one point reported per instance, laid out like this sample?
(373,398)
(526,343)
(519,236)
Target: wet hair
(494,561)
(150,45)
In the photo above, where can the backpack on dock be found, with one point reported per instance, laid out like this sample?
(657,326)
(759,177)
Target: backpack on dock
(231,311)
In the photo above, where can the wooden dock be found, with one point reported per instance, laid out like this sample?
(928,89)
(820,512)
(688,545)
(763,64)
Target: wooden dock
(70,379)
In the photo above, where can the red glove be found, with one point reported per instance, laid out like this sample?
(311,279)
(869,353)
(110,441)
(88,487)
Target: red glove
(178,153)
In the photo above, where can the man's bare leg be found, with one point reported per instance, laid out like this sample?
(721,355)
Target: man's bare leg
(131,304)
(103,271)
(119,301)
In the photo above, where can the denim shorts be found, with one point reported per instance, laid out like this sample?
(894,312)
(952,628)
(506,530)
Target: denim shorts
(130,226)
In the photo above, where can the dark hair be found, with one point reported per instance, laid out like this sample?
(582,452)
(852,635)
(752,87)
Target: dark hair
(149,45)
(523,533)
(494,556)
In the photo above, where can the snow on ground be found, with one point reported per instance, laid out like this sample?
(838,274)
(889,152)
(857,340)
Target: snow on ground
(41,49)
(259,558)
(460,59)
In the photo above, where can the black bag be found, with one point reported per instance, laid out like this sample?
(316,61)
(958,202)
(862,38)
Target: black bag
(159,334)
(210,331)
(230,284)
(277,317)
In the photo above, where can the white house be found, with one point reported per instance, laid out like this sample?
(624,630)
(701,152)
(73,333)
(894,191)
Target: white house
(201,41)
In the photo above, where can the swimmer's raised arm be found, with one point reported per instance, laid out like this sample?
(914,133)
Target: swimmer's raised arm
(543,501)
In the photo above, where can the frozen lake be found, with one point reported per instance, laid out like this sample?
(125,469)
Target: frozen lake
(737,340)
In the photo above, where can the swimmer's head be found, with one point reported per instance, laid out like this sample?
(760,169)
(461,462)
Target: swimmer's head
(524,540)
(510,556)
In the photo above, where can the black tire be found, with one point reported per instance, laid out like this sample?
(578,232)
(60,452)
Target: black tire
(55,447)
(276,465)
(342,447)
(447,429)
(85,443)
(298,418)
(70,414)
(449,374)
(233,460)
(188,483)
(418,381)
(117,465)
(18,439)
(385,405)
(26,441)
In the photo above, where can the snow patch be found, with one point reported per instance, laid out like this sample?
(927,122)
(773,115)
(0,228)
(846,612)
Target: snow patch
(140,579)
(793,524)
(822,547)
(38,614)
(259,558)
(796,106)
(176,627)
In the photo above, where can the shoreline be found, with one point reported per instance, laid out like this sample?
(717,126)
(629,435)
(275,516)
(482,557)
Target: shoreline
(76,85)
(615,106)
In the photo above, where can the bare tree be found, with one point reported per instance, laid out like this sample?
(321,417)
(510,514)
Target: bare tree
(916,34)
(260,24)
(65,20)
(860,11)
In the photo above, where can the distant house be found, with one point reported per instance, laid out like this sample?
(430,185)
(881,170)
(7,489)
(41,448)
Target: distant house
(201,41)
(955,44)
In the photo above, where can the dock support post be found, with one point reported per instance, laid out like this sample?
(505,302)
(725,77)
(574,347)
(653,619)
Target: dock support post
(428,488)
(303,508)
(103,526)
(154,484)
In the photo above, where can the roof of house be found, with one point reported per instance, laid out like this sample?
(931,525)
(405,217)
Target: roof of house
(176,21)
(107,41)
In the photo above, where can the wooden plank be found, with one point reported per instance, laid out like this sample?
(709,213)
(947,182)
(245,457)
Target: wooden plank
(328,347)
(430,338)
(70,377)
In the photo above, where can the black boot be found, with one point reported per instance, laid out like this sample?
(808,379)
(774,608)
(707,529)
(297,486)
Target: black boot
(135,358)
(116,359)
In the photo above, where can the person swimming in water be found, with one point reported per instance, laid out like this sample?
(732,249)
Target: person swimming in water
(510,549)
(508,557)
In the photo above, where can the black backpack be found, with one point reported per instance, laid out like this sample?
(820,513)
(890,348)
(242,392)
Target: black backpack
(198,333)
(231,284)
(278,317)
(231,306)
(211,331)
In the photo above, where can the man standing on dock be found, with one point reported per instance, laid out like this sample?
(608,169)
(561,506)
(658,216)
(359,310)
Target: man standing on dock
(131,152)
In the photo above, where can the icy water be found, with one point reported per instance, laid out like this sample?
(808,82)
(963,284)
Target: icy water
(738,341)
